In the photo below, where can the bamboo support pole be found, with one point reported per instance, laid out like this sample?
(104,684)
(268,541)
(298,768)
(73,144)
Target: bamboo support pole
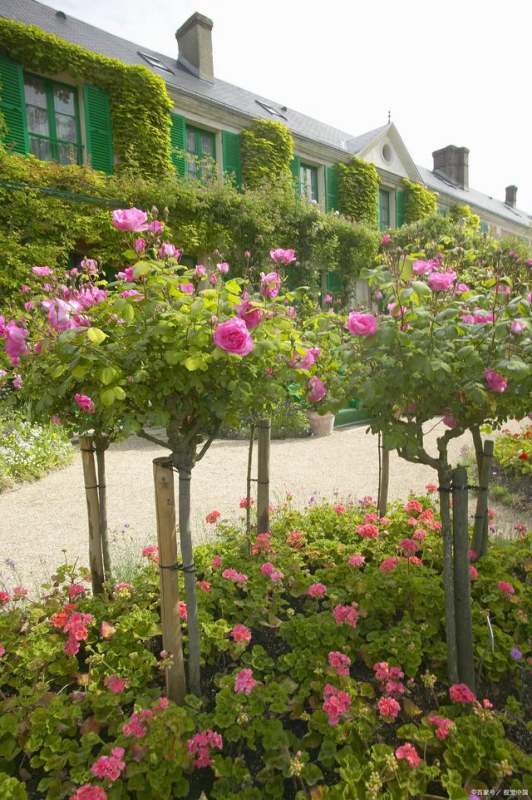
(263,476)
(86,445)
(166,537)
(462,585)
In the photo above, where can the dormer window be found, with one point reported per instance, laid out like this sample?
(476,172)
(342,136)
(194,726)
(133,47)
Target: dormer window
(271,110)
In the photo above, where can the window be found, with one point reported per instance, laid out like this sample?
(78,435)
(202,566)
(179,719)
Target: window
(155,62)
(308,182)
(53,120)
(384,209)
(201,146)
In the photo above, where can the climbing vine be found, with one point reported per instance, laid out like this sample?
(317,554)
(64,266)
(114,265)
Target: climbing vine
(358,186)
(462,213)
(420,202)
(267,152)
(140,104)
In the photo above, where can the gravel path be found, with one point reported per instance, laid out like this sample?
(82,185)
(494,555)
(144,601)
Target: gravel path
(39,521)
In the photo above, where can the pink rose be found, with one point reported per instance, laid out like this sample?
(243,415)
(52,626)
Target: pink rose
(270,284)
(495,381)
(317,390)
(280,256)
(168,250)
(422,267)
(128,274)
(15,345)
(233,337)
(386,239)
(517,327)
(250,313)
(223,267)
(361,324)
(42,272)
(129,219)
(84,403)
(441,281)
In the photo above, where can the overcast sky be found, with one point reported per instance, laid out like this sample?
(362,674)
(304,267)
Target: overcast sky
(454,72)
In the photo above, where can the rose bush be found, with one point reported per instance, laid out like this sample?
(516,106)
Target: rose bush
(295,703)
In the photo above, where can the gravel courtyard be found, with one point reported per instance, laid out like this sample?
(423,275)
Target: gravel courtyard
(38,521)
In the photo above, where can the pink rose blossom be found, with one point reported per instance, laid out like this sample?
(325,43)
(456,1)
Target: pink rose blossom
(270,284)
(186,288)
(129,219)
(280,256)
(240,633)
(407,752)
(250,313)
(317,590)
(115,684)
(168,250)
(339,662)
(128,274)
(421,267)
(223,267)
(244,681)
(139,245)
(388,708)
(441,281)
(461,288)
(233,337)
(204,586)
(386,239)
(15,346)
(42,272)
(2,650)
(517,327)
(361,324)
(328,299)
(495,381)
(317,389)
(461,693)
(84,403)
(17,382)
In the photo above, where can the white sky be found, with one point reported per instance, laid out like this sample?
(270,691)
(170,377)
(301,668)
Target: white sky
(453,72)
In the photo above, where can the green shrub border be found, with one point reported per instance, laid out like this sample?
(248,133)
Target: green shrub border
(267,150)
(358,187)
(140,103)
(420,202)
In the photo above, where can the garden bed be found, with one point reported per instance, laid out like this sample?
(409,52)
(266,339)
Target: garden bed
(324,672)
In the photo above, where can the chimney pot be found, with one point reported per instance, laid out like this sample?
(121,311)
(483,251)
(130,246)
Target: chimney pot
(452,163)
(511,196)
(194,42)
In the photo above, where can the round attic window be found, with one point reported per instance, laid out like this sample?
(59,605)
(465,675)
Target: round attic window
(387,152)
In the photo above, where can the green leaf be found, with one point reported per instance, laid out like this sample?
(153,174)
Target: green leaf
(142,268)
(172,357)
(107,375)
(193,363)
(95,335)
(233,286)
(107,397)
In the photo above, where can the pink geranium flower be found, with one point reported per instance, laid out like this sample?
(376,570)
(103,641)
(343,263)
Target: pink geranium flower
(443,725)
(461,693)
(244,681)
(19,593)
(388,564)
(200,746)
(240,633)
(339,662)
(88,792)
(407,752)
(271,572)
(110,767)
(212,517)
(388,708)
(234,576)
(367,531)
(335,703)
(75,590)
(347,615)
(317,590)
(151,552)
(115,683)
(356,560)
(505,587)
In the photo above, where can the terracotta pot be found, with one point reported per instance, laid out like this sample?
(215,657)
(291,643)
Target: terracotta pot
(321,424)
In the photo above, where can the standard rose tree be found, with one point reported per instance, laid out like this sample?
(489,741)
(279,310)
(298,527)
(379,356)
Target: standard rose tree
(440,351)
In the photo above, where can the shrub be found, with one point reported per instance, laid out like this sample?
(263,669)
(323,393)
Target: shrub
(358,186)
(513,451)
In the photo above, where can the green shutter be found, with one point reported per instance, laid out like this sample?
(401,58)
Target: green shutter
(295,166)
(399,208)
(97,108)
(334,282)
(232,162)
(177,141)
(12,105)
(331,188)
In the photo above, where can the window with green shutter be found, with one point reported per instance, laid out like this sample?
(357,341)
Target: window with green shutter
(200,146)
(97,108)
(331,188)
(232,162)
(384,209)
(177,142)
(399,208)
(15,134)
(52,120)
(295,167)
(308,182)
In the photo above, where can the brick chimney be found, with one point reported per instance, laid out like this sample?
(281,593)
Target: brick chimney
(194,42)
(452,163)
(511,196)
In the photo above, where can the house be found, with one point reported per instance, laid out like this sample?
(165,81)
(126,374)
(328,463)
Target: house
(55,117)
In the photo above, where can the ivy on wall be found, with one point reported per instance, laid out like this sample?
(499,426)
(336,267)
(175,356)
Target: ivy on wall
(419,201)
(358,186)
(140,104)
(462,213)
(267,149)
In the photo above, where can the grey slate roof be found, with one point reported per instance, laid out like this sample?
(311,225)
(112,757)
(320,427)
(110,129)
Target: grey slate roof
(227,95)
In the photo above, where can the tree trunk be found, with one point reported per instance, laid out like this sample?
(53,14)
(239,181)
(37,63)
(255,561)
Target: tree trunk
(166,537)
(444,476)
(101,446)
(462,586)
(384,481)
(184,466)
(480,533)
(86,445)
(248,483)
(263,476)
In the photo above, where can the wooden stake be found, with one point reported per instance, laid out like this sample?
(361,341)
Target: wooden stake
(384,481)
(462,585)
(101,447)
(263,476)
(187,553)
(480,532)
(166,537)
(448,574)
(86,445)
